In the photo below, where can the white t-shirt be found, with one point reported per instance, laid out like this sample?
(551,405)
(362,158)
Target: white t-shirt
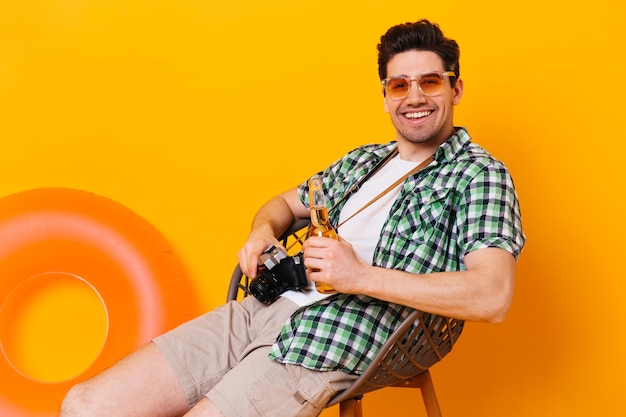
(363,230)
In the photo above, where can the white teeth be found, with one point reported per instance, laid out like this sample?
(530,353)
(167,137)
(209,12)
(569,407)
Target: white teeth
(417,115)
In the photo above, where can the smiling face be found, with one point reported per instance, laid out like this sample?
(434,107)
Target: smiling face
(422,122)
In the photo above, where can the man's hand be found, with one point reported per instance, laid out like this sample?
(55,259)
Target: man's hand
(334,262)
(249,254)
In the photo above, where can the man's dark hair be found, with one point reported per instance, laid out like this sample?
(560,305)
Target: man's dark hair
(421,36)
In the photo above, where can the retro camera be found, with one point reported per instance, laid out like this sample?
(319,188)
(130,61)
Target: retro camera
(278,273)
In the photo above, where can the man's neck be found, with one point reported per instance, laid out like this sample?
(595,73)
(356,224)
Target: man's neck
(417,152)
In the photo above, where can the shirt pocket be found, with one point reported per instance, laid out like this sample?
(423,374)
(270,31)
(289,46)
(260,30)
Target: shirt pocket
(426,215)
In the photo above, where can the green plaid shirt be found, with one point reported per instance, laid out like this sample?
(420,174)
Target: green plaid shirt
(463,201)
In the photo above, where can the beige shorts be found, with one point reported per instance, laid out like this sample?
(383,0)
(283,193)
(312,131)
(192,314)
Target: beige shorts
(223,355)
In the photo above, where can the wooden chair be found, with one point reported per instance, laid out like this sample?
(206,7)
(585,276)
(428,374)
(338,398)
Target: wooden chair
(422,340)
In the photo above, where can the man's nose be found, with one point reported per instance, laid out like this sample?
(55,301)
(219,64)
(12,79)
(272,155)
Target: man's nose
(415,93)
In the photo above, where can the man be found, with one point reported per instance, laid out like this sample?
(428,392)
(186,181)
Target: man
(445,240)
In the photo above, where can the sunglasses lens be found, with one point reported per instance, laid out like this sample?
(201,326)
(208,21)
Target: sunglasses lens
(430,83)
(397,87)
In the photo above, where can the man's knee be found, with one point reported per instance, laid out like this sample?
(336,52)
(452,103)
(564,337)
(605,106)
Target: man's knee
(79,401)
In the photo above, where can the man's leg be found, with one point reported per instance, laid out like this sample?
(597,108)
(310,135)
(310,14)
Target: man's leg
(178,368)
(204,408)
(142,384)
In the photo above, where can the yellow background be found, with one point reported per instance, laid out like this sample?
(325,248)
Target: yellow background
(192,113)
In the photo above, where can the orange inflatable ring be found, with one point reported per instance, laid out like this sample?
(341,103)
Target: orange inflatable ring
(139,278)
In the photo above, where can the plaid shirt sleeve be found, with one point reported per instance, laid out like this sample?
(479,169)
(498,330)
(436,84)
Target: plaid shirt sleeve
(489,215)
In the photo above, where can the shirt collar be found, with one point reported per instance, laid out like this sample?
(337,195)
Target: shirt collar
(448,150)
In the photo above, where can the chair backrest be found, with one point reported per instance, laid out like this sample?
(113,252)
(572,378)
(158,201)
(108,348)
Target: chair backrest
(420,341)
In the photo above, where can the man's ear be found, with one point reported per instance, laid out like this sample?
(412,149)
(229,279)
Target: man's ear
(457,92)
(385,102)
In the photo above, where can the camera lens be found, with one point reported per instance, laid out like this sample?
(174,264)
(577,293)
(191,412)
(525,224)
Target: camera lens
(265,288)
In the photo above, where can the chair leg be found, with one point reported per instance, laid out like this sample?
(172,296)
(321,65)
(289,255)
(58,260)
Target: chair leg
(351,408)
(429,396)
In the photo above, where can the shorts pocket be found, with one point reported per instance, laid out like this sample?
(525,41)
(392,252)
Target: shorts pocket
(295,391)
(290,390)
(311,386)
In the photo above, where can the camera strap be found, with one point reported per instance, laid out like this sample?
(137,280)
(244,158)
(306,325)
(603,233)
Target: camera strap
(399,181)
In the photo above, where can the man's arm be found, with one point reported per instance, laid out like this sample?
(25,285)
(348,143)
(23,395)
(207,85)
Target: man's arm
(270,221)
(483,292)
